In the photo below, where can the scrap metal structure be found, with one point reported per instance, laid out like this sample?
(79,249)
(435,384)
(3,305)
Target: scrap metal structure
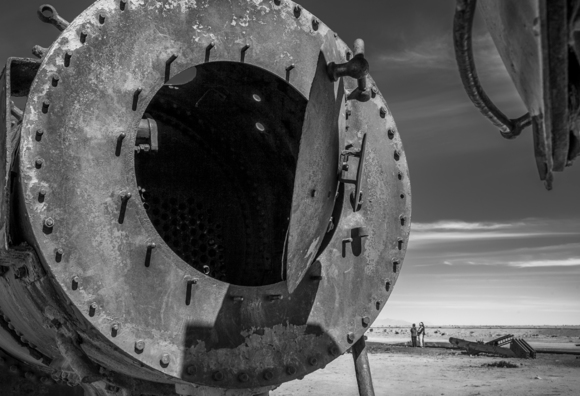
(237,231)
(539,43)
(216,237)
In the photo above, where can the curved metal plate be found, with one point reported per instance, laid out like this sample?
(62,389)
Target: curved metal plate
(271,329)
(315,185)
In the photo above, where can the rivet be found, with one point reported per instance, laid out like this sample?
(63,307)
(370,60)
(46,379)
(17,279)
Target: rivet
(243,53)
(378,304)
(171,59)
(395,266)
(391,134)
(350,337)
(165,359)
(49,222)
(312,361)
(55,80)
(208,49)
(397,155)
(188,292)
(150,248)
(288,70)
(67,57)
(58,254)
(45,106)
(400,176)
(120,139)
(297,11)
(191,370)
(290,370)
(388,286)
(41,195)
(136,95)
(275,297)
(75,282)
(218,376)
(348,113)
(315,23)
(38,163)
(39,134)
(101,18)
(125,196)
(238,298)
(313,193)
(400,243)
(268,375)
(83,37)
(316,277)
(366,321)
(402,196)
(93,309)
(403,220)
(374,91)
(243,377)
(383,111)
(333,350)
(140,345)
(123,5)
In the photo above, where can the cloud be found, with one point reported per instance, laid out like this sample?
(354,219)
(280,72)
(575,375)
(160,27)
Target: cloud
(438,52)
(570,262)
(460,225)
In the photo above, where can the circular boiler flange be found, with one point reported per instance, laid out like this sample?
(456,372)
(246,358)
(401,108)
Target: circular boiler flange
(93,233)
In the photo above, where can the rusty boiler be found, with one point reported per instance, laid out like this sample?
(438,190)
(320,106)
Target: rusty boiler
(219,236)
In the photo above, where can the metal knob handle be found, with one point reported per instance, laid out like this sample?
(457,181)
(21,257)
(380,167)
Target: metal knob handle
(357,67)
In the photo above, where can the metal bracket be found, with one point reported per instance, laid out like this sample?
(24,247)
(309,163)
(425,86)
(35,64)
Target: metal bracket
(356,195)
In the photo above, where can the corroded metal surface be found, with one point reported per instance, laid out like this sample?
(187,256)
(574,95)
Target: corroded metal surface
(235,256)
(536,42)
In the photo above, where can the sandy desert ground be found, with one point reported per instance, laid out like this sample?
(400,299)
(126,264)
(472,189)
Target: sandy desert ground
(401,370)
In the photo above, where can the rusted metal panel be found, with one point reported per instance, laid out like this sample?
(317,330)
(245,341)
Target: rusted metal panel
(119,232)
(532,39)
(315,186)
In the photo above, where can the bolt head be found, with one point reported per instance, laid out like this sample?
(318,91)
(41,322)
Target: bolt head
(40,132)
(115,327)
(312,361)
(140,345)
(290,370)
(243,377)
(350,337)
(49,222)
(191,370)
(165,359)
(333,350)
(38,162)
(383,111)
(218,376)
(94,305)
(268,375)
(366,321)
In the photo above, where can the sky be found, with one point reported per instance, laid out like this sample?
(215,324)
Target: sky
(489,245)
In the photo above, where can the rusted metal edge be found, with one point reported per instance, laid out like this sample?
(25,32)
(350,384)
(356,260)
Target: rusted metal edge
(462,25)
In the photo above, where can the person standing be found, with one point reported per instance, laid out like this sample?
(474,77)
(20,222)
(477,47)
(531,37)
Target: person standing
(421,333)
(414,336)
